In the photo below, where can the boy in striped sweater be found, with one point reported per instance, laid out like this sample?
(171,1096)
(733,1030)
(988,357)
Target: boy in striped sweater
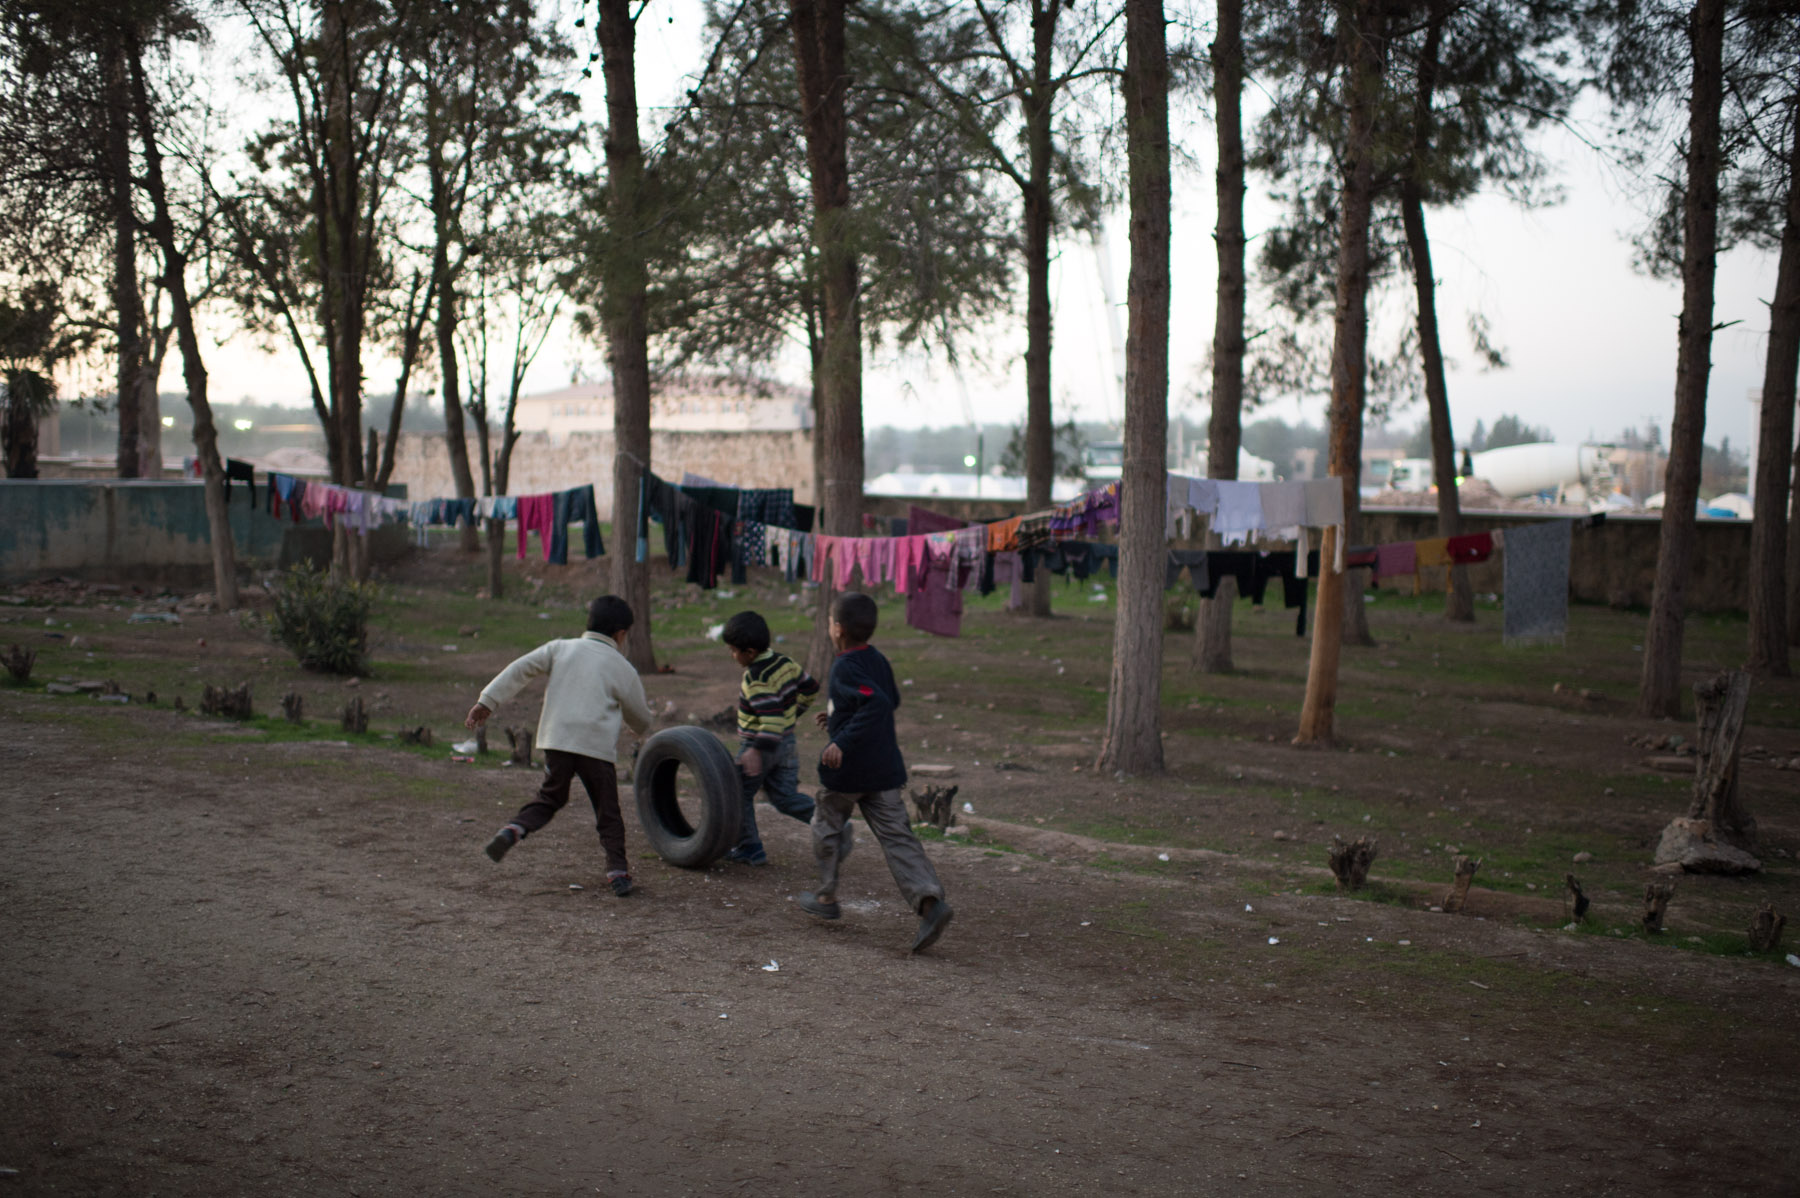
(774,695)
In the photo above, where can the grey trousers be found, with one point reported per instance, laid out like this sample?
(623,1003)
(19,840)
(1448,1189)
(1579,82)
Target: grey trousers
(885,813)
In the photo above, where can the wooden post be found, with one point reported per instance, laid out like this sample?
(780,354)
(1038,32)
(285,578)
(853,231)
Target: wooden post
(1459,886)
(416,736)
(481,745)
(1656,905)
(293,707)
(520,738)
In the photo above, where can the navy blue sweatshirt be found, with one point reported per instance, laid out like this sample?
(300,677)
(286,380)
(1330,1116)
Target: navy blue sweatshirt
(860,722)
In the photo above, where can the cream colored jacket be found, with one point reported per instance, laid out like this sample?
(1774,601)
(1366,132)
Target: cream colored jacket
(592,688)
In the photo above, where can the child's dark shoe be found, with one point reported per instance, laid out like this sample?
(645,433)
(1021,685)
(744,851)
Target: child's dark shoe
(503,840)
(813,904)
(620,883)
(740,857)
(932,924)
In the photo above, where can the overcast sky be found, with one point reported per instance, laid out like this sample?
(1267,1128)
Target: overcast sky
(1590,343)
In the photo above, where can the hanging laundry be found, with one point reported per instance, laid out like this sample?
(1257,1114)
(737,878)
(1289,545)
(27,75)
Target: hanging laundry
(567,507)
(1240,511)
(1536,568)
(1471,547)
(244,472)
(1392,561)
(536,514)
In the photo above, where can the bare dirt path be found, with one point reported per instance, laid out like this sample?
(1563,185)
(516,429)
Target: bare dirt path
(247,968)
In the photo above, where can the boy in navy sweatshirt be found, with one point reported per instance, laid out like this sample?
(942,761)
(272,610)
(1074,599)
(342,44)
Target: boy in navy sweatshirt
(862,767)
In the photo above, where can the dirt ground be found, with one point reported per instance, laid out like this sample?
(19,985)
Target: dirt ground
(261,959)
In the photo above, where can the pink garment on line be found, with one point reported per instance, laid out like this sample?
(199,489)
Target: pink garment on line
(535,512)
(821,556)
(1398,558)
(844,563)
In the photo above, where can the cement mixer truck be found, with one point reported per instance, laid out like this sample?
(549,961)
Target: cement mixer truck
(1576,473)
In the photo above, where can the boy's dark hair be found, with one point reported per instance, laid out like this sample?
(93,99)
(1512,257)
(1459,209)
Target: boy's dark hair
(747,630)
(609,615)
(856,614)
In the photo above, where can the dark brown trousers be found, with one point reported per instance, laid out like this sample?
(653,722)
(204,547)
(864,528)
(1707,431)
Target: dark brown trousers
(602,785)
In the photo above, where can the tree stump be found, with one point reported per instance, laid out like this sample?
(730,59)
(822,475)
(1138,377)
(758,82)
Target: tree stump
(1461,880)
(18,662)
(1765,929)
(293,707)
(1575,903)
(1350,862)
(1656,905)
(932,806)
(416,736)
(233,704)
(180,704)
(520,739)
(1721,703)
(481,739)
(356,716)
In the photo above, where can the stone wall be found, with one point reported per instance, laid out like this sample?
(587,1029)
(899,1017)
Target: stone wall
(541,463)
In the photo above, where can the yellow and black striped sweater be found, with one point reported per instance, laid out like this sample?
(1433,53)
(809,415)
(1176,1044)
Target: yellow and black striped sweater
(775,694)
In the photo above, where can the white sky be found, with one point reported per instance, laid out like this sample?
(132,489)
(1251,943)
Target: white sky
(1591,343)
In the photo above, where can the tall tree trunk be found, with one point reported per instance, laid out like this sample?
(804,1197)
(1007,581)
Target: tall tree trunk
(1363,34)
(1459,602)
(1793,565)
(128,303)
(1040,425)
(412,336)
(150,454)
(824,83)
(1225,430)
(456,437)
(624,308)
(1661,689)
(193,368)
(1133,741)
(344,245)
(1769,560)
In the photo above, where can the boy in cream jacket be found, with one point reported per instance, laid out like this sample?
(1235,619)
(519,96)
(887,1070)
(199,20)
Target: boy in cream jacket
(592,689)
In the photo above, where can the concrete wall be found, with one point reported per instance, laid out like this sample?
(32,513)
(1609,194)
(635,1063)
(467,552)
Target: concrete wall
(1614,563)
(137,530)
(541,463)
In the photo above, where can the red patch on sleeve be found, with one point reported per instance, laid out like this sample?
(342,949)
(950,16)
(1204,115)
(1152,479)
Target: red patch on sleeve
(865,690)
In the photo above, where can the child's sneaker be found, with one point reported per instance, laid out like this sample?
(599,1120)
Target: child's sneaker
(740,857)
(620,882)
(932,925)
(814,904)
(503,840)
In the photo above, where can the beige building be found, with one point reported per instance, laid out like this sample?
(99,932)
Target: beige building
(740,433)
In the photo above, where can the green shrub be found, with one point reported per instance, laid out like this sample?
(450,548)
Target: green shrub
(323,621)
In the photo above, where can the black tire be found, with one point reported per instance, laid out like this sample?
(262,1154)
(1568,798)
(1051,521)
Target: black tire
(690,839)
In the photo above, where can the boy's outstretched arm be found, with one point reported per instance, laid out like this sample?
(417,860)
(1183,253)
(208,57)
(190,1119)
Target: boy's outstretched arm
(507,683)
(634,706)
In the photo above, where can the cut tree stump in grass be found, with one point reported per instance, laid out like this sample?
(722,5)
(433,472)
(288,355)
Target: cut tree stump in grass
(481,739)
(1765,929)
(356,716)
(1656,905)
(1350,862)
(933,806)
(1461,881)
(416,736)
(233,703)
(1575,903)
(293,707)
(520,739)
(18,662)
(1721,704)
